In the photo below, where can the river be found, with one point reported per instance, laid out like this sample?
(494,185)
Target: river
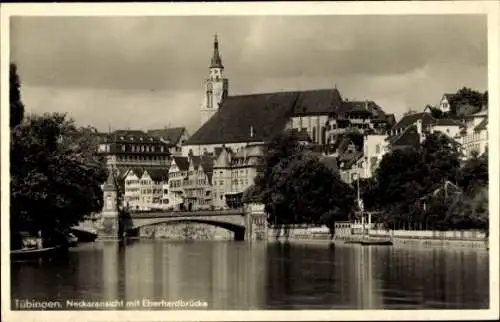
(241,275)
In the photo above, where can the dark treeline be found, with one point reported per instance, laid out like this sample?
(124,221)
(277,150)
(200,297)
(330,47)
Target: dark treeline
(56,174)
(428,187)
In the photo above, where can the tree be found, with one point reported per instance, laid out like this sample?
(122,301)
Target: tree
(474,173)
(466,97)
(296,187)
(485,98)
(16,105)
(56,175)
(405,176)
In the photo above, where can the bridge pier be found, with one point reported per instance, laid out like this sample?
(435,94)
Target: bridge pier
(256,222)
(109,224)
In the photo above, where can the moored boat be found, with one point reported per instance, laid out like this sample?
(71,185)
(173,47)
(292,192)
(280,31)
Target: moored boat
(368,241)
(36,253)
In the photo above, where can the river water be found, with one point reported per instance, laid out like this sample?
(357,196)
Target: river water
(242,275)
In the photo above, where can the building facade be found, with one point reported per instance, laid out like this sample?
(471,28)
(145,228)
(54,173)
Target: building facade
(234,172)
(375,146)
(198,186)
(177,174)
(475,134)
(144,189)
(132,149)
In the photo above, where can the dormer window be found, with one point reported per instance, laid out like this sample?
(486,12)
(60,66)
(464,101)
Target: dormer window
(131,138)
(121,138)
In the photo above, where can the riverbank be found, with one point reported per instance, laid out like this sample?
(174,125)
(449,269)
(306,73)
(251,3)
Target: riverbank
(433,239)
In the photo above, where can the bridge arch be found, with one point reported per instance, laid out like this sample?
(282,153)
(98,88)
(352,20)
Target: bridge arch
(238,230)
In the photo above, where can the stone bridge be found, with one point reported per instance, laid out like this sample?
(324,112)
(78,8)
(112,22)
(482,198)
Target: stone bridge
(246,223)
(233,220)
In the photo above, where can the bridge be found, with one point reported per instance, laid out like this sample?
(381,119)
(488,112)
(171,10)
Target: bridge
(246,223)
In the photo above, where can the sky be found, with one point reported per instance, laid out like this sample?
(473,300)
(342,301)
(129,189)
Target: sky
(149,72)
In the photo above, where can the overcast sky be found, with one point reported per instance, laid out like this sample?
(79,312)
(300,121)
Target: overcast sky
(148,72)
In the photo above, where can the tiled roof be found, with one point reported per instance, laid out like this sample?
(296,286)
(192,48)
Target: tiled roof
(158,174)
(246,118)
(408,120)
(347,160)
(344,139)
(447,122)
(138,171)
(369,108)
(130,136)
(449,97)
(170,135)
(390,118)
(409,137)
(207,163)
(316,102)
(482,126)
(357,107)
(182,163)
(196,159)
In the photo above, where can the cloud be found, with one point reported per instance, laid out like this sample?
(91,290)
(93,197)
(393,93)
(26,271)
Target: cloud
(116,108)
(150,70)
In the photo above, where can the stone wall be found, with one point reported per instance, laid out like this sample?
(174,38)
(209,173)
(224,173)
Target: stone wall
(185,231)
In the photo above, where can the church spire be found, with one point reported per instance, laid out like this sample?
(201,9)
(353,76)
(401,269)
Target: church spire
(216,60)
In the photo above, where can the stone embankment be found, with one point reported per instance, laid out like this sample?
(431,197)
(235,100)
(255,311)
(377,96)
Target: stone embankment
(472,239)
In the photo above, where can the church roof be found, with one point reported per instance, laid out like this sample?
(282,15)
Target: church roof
(247,118)
(316,102)
(258,117)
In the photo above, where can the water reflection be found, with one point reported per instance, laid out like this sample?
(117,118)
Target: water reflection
(239,275)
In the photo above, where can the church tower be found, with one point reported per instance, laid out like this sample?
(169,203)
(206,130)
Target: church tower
(216,86)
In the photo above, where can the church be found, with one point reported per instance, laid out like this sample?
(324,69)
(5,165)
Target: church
(236,122)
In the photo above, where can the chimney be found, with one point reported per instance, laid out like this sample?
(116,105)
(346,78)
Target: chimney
(251,131)
(366,104)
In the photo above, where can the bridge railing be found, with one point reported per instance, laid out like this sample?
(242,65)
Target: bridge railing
(171,213)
